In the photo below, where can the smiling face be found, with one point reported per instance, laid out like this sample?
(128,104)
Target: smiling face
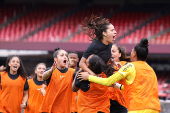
(40,70)
(109,35)
(115,53)
(62,59)
(73,59)
(14,64)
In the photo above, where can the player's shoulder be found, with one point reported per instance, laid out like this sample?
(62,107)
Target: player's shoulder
(127,66)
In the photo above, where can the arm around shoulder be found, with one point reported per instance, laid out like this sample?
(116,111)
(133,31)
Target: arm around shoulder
(106,81)
(126,70)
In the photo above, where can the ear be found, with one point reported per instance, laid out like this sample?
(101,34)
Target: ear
(104,34)
(55,59)
(9,64)
(35,71)
(120,54)
(134,54)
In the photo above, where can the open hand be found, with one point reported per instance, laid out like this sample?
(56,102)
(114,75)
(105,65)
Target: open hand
(118,64)
(54,66)
(2,68)
(79,71)
(83,76)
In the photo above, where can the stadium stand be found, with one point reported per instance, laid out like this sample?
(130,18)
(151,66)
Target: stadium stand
(8,11)
(31,21)
(32,27)
(149,30)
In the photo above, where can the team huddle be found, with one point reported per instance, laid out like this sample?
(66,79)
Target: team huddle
(106,81)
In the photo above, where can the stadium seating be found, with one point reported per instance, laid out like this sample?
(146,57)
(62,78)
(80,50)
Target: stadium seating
(163,39)
(66,27)
(7,11)
(150,30)
(30,21)
(163,86)
(122,21)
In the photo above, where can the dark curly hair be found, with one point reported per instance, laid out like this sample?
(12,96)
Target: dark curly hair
(94,27)
(97,65)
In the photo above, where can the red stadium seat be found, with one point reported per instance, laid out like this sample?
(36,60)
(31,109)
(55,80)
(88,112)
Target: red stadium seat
(123,22)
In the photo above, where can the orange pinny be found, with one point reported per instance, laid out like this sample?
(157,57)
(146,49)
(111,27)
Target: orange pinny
(94,100)
(117,94)
(11,93)
(74,103)
(35,97)
(142,94)
(59,93)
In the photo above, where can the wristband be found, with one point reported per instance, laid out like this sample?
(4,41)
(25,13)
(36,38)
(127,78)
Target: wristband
(120,86)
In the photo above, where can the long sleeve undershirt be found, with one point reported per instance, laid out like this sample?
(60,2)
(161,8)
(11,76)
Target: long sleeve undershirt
(127,71)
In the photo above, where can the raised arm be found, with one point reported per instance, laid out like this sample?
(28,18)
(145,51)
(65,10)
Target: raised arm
(83,65)
(2,68)
(48,72)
